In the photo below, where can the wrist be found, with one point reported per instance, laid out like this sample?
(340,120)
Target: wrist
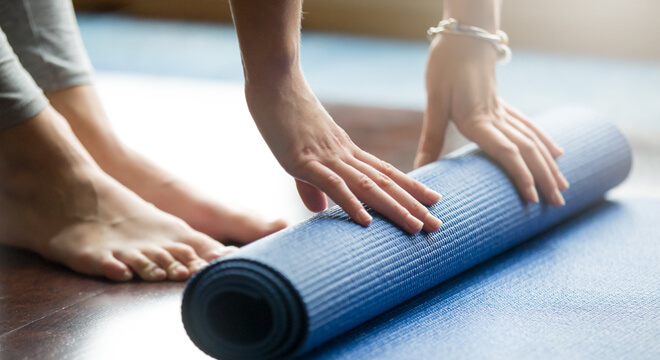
(480,13)
(266,98)
(272,70)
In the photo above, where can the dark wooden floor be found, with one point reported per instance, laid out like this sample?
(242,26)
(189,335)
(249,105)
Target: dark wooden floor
(49,312)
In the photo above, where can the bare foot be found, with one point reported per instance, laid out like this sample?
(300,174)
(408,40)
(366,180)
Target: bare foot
(58,203)
(82,108)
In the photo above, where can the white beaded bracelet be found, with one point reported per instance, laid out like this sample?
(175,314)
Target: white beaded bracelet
(499,40)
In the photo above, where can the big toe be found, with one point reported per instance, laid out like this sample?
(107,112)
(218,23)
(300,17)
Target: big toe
(248,229)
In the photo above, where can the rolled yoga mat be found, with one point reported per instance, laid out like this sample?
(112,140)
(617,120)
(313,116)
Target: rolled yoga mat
(296,289)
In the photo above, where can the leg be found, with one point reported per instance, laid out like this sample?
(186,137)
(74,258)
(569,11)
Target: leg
(52,51)
(81,106)
(56,201)
(54,54)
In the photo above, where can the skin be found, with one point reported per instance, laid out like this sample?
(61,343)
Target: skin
(307,142)
(461,87)
(58,203)
(82,108)
(75,194)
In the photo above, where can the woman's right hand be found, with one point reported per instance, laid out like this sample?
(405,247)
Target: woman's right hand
(313,149)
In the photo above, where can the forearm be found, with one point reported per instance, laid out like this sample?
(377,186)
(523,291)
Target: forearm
(269,37)
(482,13)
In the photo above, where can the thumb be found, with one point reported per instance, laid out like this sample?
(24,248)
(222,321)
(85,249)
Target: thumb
(436,119)
(312,197)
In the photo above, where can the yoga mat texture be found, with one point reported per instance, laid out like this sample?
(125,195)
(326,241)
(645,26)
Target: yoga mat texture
(303,286)
(588,289)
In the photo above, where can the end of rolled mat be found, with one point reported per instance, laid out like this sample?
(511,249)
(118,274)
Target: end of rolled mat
(237,308)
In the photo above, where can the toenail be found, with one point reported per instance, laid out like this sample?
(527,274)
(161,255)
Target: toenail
(197,265)
(158,273)
(224,250)
(180,269)
(127,275)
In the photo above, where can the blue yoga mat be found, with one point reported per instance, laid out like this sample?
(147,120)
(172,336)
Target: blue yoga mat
(588,289)
(292,291)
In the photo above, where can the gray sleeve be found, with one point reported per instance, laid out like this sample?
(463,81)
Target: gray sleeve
(20,97)
(45,36)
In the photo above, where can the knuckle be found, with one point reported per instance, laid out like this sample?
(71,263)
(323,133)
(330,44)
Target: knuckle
(535,138)
(300,165)
(419,209)
(365,182)
(509,149)
(401,211)
(384,182)
(343,135)
(417,187)
(306,151)
(527,146)
(334,180)
(386,168)
(526,179)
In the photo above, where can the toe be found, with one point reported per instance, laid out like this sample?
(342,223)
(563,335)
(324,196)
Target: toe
(218,253)
(142,265)
(204,246)
(99,262)
(114,269)
(175,270)
(248,228)
(187,256)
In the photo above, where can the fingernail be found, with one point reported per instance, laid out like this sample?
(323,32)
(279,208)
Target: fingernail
(560,150)
(414,224)
(559,199)
(432,195)
(365,218)
(433,221)
(532,195)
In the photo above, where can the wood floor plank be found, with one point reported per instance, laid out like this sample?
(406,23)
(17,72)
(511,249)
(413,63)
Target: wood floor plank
(33,288)
(49,312)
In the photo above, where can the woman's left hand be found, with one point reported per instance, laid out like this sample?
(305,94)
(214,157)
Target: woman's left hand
(461,87)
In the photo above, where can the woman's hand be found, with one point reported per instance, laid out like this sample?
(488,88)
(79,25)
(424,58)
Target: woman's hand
(461,87)
(301,134)
(320,155)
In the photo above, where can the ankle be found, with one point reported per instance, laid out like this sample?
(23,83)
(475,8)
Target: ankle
(42,146)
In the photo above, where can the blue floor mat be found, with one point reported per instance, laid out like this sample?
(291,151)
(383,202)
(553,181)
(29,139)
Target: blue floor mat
(297,289)
(589,289)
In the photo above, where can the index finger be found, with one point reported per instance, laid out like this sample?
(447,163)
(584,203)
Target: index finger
(419,191)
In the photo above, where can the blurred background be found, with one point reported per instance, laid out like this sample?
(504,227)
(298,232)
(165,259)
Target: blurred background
(365,59)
